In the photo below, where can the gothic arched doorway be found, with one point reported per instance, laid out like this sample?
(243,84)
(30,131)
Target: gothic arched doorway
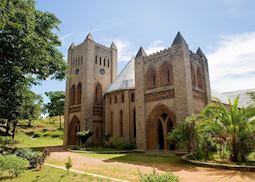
(160,123)
(74,127)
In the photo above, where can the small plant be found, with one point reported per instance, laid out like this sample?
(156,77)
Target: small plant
(12,165)
(37,134)
(68,165)
(155,177)
(35,158)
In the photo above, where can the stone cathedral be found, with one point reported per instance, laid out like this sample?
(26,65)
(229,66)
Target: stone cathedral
(140,105)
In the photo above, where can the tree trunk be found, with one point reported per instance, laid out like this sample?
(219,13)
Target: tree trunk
(234,152)
(7,129)
(14,128)
(60,127)
(29,123)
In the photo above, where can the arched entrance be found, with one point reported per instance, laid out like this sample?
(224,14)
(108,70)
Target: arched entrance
(160,123)
(74,127)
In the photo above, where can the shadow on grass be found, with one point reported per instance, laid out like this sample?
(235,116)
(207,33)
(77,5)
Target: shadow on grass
(174,163)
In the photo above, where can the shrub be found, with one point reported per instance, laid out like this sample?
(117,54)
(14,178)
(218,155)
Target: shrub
(37,134)
(154,177)
(56,134)
(6,142)
(35,158)
(125,146)
(12,165)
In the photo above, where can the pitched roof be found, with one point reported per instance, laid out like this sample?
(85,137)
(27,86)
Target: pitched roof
(179,39)
(126,78)
(141,52)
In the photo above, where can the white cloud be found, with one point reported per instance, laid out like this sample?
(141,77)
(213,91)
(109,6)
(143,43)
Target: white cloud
(232,63)
(154,46)
(124,50)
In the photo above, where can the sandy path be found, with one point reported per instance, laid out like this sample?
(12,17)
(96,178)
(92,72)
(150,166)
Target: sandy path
(186,174)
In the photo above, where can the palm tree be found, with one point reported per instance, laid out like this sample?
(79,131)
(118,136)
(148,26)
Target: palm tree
(228,123)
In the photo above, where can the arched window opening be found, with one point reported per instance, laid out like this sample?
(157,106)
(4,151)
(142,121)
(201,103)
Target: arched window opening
(100,61)
(160,136)
(166,74)
(108,63)
(150,78)
(199,78)
(98,94)
(81,59)
(96,59)
(111,123)
(193,76)
(115,99)
(132,97)
(134,124)
(72,95)
(122,98)
(104,61)
(79,88)
(121,123)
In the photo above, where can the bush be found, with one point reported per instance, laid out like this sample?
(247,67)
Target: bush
(6,142)
(37,134)
(12,165)
(125,146)
(154,177)
(56,134)
(35,158)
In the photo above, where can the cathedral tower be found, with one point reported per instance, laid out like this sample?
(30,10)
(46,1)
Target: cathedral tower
(93,67)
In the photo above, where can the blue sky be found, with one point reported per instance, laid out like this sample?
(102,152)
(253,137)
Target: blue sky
(224,29)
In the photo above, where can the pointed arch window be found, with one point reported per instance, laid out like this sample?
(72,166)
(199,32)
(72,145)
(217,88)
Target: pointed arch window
(100,61)
(96,59)
(121,123)
(104,61)
(108,63)
(132,97)
(122,98)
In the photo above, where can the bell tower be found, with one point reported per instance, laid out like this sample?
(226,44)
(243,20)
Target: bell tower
(93,67)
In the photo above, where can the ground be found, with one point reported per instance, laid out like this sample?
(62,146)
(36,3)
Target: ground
(129,166)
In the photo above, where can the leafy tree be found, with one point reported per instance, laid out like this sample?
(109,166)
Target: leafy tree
(56,105)
(28,53)
(230,123)
(32,106)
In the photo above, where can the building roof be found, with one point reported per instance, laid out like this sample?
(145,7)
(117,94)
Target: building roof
(244,99)
(126,80)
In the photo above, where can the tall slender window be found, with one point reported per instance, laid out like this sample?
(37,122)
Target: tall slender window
(81,59)
(134,120)
(96,60)
(72,95)
(108,63)
(121,123)
(104,61)
(122,98)
(111,123)
(132,97)
(100,61)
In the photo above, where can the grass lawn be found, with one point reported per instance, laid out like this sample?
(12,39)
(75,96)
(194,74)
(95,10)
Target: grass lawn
(50,174)
(27,141)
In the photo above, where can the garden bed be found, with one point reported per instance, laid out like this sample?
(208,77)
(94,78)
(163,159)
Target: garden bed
(218,165)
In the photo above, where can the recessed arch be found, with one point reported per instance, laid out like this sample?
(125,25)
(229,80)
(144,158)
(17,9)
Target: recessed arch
(150,78)
(193,75)
(73,128)
(199,78)
(98,94)
(72,95)
(159,114)
(166,73)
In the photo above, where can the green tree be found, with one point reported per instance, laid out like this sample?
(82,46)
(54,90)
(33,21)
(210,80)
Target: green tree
(32,106)
(28,53)
(56,105)
(230,123)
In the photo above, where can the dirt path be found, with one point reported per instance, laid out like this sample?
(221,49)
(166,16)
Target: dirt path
(129,171)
